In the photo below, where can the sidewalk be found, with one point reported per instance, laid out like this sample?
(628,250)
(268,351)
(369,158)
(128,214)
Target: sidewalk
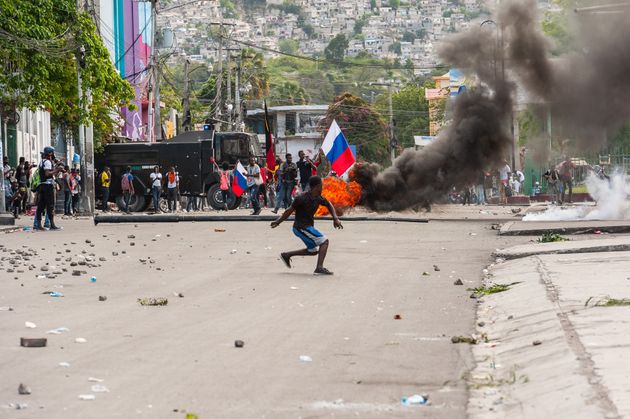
(552,351)
(536,228)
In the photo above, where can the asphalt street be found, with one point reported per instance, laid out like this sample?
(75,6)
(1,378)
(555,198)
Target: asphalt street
(158,362)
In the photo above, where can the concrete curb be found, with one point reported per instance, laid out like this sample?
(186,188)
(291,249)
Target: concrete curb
(568,247)
(534,228)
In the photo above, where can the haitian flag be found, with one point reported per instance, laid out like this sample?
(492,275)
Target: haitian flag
(337,150)
(239,184)
(271,155)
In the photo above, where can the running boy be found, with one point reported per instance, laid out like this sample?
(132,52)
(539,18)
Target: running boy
(305,206)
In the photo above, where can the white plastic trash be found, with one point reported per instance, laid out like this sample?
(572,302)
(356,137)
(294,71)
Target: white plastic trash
(30,325)
(306,358)
(87,397)
(97,388)
(416,399)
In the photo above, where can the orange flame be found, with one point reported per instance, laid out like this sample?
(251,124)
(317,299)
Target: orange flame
(341,195)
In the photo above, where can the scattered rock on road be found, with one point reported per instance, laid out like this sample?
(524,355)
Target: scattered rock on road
(239,343)
(458,282)
(24,389)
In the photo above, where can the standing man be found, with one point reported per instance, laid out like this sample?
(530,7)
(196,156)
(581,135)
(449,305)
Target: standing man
(46,202)
(106,178)
(305,169)
(305,206)
(553,178)
(172,183)
(253,181)
(126,184)
(287,177)
(156,188)
(225,183)
(504,180)
(566,176)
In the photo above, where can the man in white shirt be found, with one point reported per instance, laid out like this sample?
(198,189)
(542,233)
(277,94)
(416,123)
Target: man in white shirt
(156,188)
(253,182)
(504,178)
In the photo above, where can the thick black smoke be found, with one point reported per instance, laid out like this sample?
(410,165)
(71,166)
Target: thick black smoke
(587,92)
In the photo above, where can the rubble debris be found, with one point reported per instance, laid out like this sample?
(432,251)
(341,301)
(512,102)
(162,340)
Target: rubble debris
(239,343)
(80,340)
(95,380)
(93,279)
(30,325)
(425,273)
(516,210)
(219,230)
(436,268)
(536,343)
(98,388)
(397,317)
(131,236)
(102,298)
(58,331)
(6,308)
(464,339)
(458,282)
(33,342)
(306,358)
(64,364)
(153,301)
(24,389)
(416,399)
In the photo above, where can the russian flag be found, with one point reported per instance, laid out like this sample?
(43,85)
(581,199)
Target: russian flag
(337,150)
(239,184)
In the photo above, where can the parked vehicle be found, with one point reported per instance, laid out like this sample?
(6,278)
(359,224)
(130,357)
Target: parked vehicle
(196,155)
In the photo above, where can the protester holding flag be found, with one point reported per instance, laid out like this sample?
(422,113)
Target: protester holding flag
(305,206)
(239,180)
(337,150)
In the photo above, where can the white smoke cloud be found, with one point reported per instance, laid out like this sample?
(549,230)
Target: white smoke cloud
(611,197)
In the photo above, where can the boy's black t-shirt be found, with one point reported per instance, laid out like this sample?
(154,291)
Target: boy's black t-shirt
(306,206)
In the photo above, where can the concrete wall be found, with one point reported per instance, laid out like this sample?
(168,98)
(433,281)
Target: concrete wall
(33,134)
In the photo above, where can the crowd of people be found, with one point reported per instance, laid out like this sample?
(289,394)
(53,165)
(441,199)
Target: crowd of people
(501,182)
(29,183)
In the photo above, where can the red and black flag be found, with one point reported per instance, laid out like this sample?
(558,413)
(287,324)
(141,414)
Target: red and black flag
(271,155)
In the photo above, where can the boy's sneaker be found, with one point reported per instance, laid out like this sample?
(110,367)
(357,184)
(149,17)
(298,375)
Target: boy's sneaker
(322,271)
(286,259)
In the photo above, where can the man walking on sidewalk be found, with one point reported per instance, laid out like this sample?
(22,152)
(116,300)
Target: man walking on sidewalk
(305,206)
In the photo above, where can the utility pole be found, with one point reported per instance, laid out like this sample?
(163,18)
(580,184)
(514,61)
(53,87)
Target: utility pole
(392,138)
(237,91)
(86,139)
(229,90)
(2,201)
(219,80)
(186,99)
(157,121)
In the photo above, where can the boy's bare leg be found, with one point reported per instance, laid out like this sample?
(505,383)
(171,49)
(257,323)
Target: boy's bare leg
(321,255)
(303,252)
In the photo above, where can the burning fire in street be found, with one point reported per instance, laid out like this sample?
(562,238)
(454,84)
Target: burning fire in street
(342,195)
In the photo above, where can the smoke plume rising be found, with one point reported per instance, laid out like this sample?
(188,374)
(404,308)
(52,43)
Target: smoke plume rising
(586,91)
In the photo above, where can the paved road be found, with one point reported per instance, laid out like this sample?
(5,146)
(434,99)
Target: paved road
(154,360)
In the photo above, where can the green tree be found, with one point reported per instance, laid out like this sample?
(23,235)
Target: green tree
(289,46)
(408,36)
(288,93)
(41,43)
(362,126)
(336,49)
(395,48)
(556,25)
(372,5)
(411,113)
(394,4)
(360,23)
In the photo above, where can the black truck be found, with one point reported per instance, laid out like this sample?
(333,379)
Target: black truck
(196,155)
